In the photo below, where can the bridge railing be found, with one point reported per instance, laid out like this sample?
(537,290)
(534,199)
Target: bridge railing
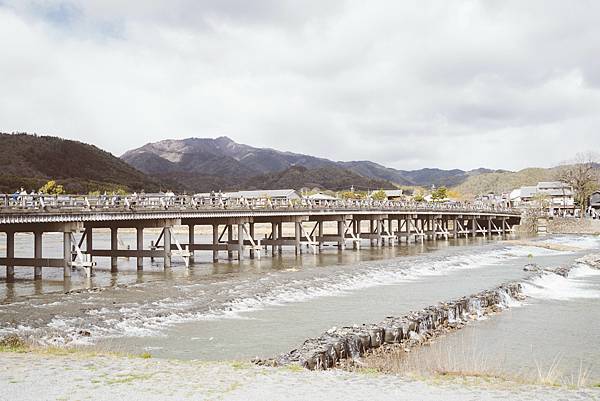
(32,203)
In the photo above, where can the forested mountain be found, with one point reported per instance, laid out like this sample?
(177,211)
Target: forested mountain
(30,161)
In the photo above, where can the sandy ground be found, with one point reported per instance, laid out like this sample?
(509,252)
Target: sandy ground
(31,376)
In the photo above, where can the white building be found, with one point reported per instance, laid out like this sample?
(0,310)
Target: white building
(552,196)
(321,197)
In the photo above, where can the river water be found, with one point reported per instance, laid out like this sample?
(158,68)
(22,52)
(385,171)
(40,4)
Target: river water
(269,306)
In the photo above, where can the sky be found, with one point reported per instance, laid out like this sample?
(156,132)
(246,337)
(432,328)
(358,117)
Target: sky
(408,84)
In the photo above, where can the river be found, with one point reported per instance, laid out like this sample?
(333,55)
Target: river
(230,311)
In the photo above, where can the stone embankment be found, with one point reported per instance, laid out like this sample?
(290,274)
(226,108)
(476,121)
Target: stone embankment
(560,225)
(349,344)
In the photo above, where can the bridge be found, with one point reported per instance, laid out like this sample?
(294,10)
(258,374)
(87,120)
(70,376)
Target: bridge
(232,221)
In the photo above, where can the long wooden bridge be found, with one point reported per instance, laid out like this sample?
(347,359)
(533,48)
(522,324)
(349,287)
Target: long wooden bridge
(233,226)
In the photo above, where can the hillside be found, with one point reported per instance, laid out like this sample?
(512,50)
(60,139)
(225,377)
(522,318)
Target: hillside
(198,162)
(499,182)
(30,161)
(332,178)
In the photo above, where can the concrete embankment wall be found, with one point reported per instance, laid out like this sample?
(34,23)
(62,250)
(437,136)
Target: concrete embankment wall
(350,343)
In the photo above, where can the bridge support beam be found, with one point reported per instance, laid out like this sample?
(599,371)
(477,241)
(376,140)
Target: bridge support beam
(252,252)
(215,242)
(191,241)
(340,232)
(89,241)
(274,237)
(297,231)
(139,236)
(240,238)
(114,246)
(67,244)
(167,247)
(37,254)
(320,233)
(10,253)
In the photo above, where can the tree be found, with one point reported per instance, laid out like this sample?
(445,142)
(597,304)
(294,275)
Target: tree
(419,197)
(351,195)
(379,195)
(439,194)
(582,175)
(52,188)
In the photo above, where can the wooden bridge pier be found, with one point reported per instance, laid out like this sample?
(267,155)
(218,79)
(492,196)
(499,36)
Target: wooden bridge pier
(38,262)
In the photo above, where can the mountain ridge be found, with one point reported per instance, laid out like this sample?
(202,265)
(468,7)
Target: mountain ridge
(223,157)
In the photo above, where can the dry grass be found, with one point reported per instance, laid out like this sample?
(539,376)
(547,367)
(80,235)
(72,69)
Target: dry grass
(15,344)
(468,360)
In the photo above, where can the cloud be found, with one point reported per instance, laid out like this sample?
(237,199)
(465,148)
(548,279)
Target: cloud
(408,84)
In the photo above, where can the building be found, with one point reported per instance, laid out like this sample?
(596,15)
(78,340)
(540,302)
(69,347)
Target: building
(554,197)
(595,201)
(394,194)
(274,195)
(321,197)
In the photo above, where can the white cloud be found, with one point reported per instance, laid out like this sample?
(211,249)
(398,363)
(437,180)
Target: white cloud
(411,85)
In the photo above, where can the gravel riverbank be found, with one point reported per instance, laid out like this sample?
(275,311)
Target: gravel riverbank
(32,376)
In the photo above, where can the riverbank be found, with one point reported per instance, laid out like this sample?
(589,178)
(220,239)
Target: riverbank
(560,225)
(31,376)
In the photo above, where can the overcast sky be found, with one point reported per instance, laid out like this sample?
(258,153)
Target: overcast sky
(462,84)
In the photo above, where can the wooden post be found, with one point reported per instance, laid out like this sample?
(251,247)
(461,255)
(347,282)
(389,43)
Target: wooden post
(215,242)
(356,232)
(340,233)
(489,227)
(279,235)
(10,253)
(167,247)
(455,228)
(321,232)
(191,240)
(229,241)
(67,254)
(139,246)
(379,229)
(391,230)
(274,228)
(89,241)
(114,245)
(474,226)
(37,254)
(240,238)
(434,227)
(252,236)
(297,241)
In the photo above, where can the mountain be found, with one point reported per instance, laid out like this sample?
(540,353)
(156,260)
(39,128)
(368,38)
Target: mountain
(504,181)
(31,160)
(206,164)
(332,178)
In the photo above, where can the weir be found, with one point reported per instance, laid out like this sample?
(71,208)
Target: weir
(232,225)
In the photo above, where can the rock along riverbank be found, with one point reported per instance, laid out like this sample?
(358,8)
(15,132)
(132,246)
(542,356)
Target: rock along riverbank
(349,344)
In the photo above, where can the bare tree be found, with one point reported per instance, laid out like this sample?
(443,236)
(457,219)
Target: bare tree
(582,174)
